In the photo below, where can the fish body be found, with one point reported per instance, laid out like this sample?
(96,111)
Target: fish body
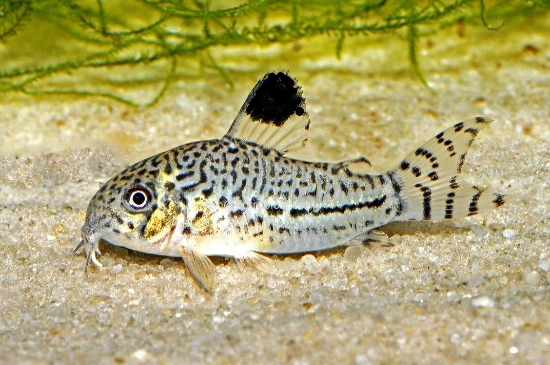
(241,197)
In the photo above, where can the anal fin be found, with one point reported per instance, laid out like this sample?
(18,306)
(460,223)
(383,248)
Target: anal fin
(372,239)
(201,268)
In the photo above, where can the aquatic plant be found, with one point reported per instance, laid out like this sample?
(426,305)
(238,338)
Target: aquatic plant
(51,45)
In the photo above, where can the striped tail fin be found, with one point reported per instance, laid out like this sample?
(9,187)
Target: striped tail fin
(429,178)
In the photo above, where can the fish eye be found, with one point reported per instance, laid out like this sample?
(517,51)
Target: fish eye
(137,198)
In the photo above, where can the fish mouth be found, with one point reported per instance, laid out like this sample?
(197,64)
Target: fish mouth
(90,244)
(164,245)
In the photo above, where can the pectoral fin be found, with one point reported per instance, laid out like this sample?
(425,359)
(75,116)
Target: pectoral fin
(201,268)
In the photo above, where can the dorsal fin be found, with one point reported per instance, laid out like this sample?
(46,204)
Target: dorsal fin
(274,114)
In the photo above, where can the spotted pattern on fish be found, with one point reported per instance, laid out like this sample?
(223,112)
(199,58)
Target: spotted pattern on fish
(240,196)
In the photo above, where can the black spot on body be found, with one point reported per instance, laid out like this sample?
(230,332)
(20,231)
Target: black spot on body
(284,230)
(198,216)
(344,187)
(371,180)
(119,219)
(168,168)
(374,203)
(396,186)
(274,210)
(155,161)
(182,176)
(236,214)
(207,192)
(294,212)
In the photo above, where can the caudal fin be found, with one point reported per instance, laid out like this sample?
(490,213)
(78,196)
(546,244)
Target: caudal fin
(429,178)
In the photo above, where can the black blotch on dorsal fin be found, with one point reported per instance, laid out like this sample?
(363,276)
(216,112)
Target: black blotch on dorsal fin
(276,98)
(273,115)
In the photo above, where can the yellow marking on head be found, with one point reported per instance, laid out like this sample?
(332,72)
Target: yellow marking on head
(160,222)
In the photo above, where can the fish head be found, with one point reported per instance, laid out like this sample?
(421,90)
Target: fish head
(139,212)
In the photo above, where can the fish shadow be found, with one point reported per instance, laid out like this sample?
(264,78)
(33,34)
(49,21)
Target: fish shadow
(413,227)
